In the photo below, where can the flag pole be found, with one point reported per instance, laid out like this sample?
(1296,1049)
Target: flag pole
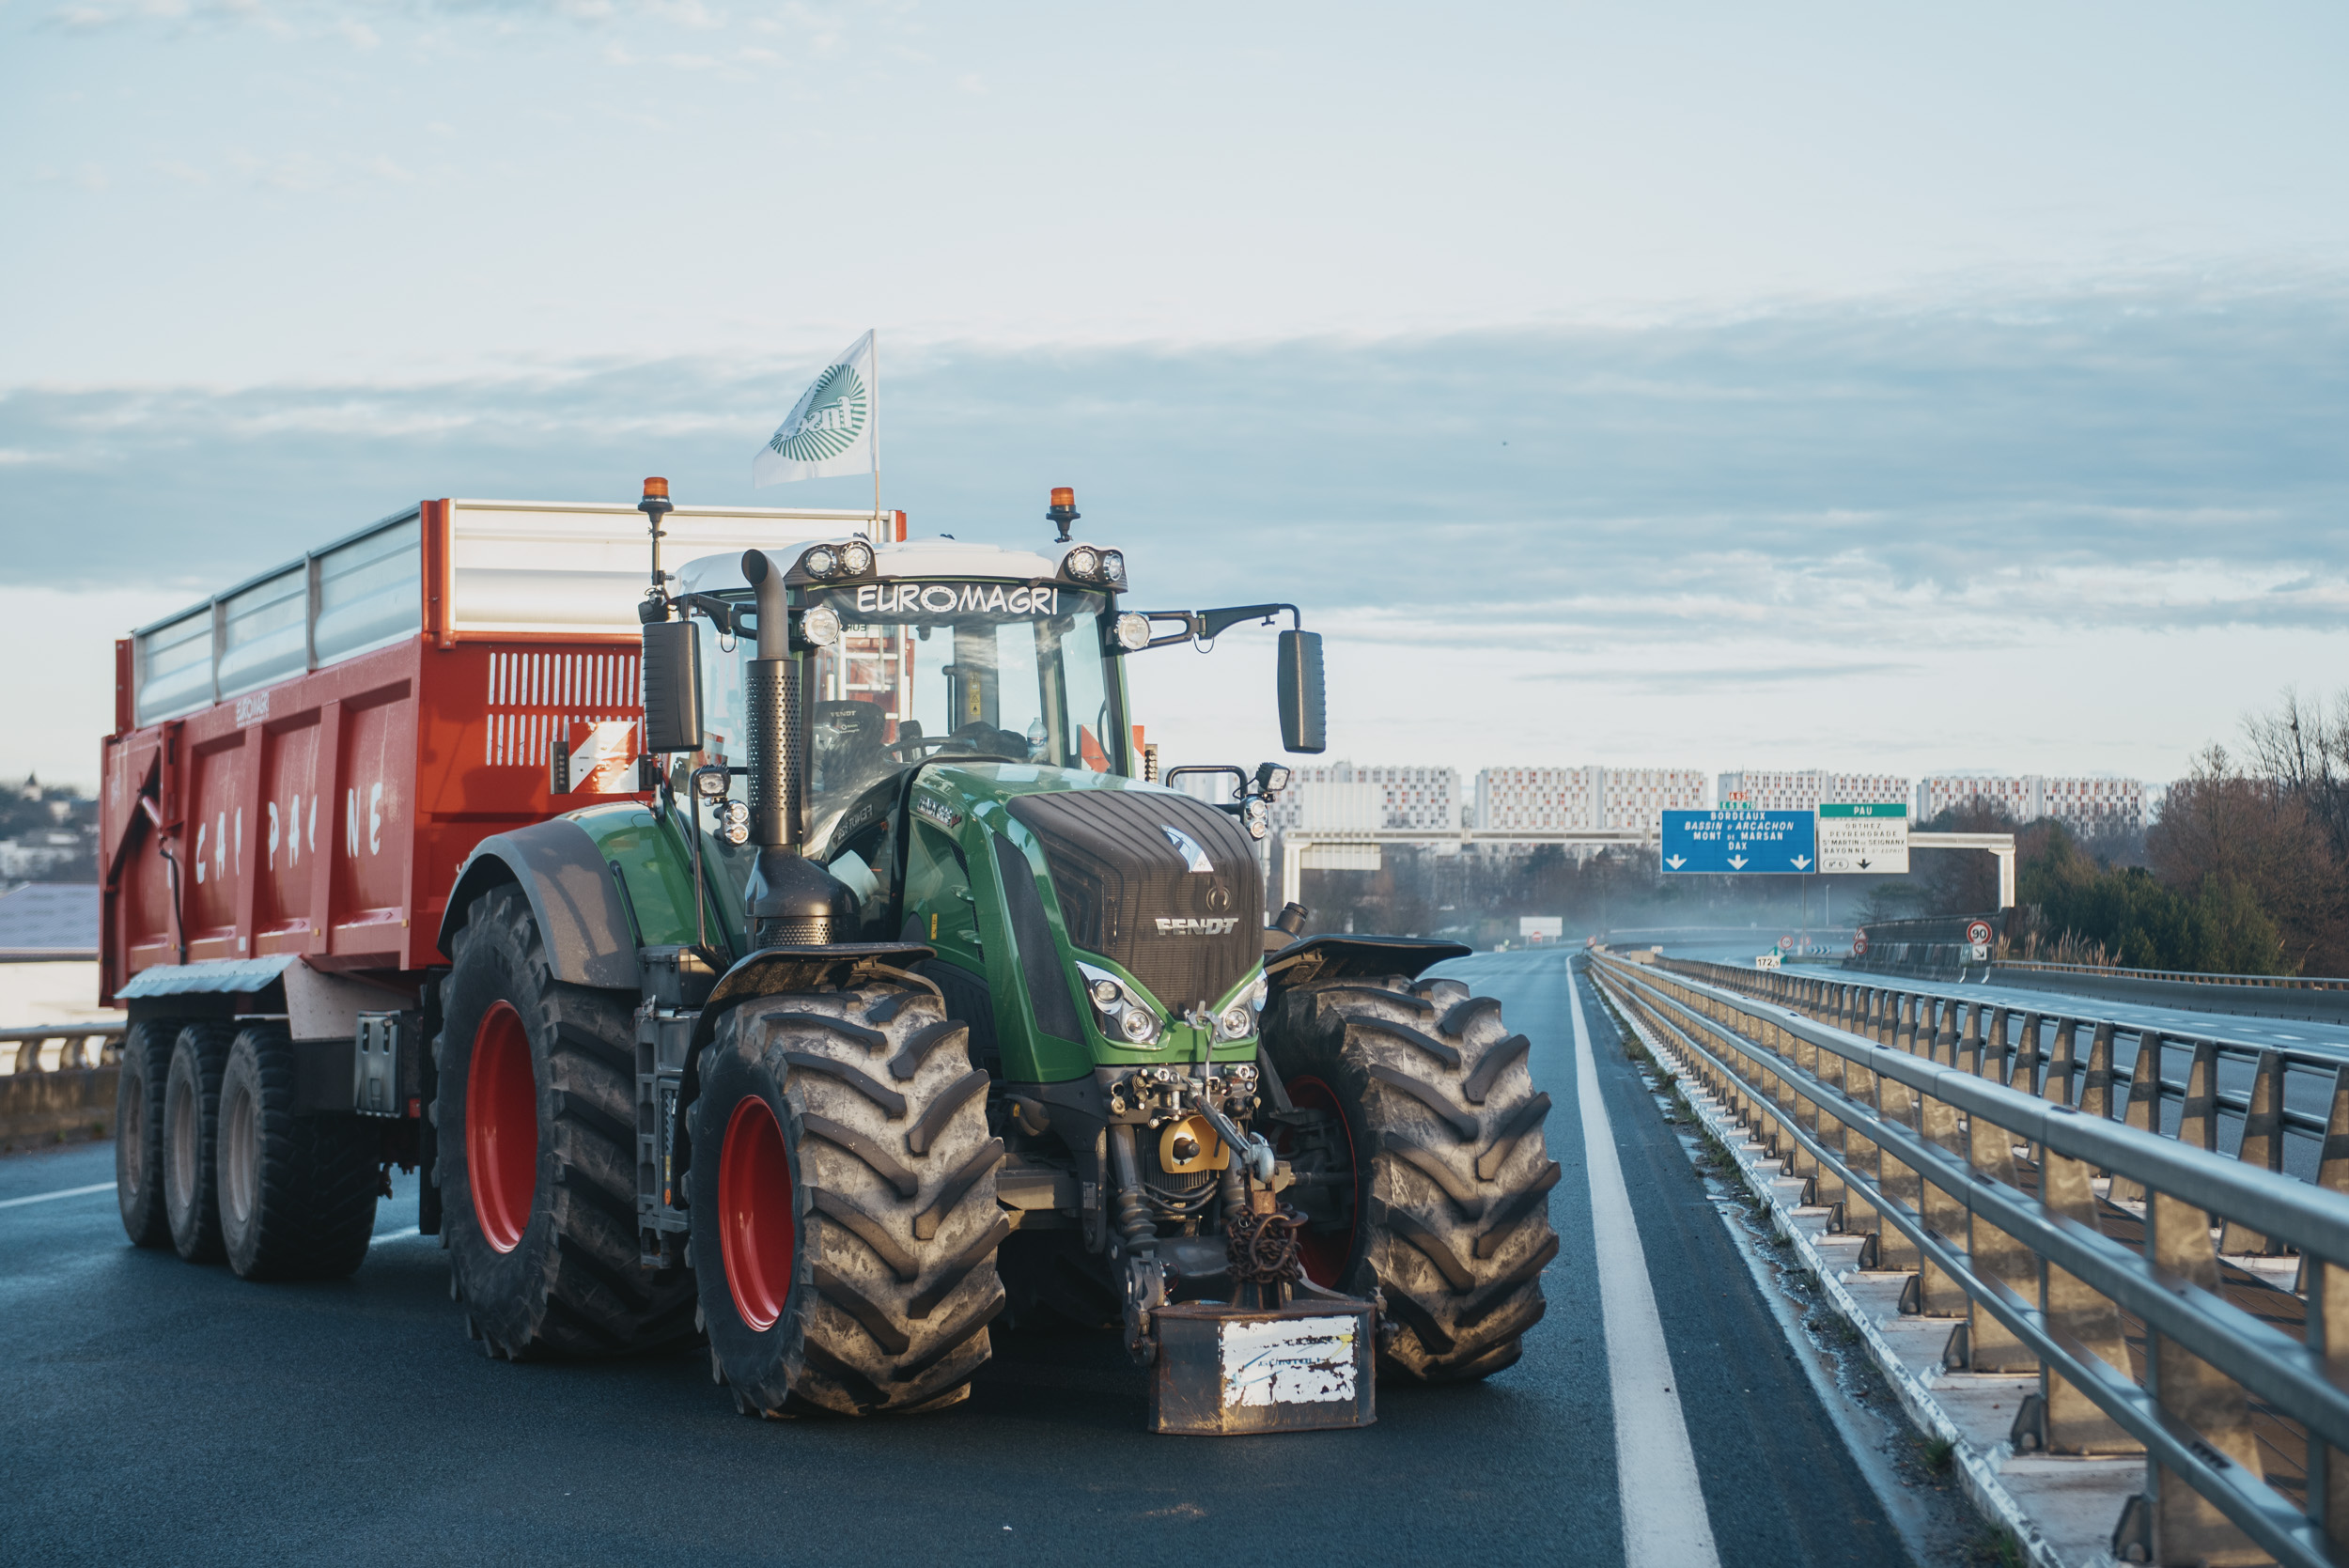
(876,511)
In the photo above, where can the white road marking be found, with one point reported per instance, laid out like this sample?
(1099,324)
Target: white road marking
(394,1236)
(51,1197)
(1664,1521)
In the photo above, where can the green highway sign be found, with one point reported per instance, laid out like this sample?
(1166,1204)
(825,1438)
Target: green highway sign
(1870,838)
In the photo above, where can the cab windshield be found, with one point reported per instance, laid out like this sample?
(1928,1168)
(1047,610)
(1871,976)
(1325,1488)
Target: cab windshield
(983,670)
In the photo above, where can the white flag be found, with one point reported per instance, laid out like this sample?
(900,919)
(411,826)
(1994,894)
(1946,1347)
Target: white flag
(836,426)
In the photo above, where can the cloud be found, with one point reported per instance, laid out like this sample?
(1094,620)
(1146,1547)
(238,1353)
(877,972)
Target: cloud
(1843,478)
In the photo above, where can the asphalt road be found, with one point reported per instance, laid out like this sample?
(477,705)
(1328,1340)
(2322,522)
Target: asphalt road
(157,1412)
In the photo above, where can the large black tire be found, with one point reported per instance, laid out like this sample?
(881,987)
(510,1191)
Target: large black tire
(191,1129)
(537,1085)
(843,1191)
(139,1131)
(297,1193)
(1441,1132)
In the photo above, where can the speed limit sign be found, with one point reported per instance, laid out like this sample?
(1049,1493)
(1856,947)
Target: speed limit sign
(1978,932)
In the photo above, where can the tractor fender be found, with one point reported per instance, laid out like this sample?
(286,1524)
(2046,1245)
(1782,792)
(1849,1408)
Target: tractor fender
(589,934)
(1344,958)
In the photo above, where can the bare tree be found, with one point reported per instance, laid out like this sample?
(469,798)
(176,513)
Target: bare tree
(2306,749)
(2223,829)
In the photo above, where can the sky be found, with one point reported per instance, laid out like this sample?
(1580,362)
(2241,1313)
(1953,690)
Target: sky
(1699,385)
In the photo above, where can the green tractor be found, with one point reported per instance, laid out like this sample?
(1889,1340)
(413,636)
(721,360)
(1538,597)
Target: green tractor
(912,1003)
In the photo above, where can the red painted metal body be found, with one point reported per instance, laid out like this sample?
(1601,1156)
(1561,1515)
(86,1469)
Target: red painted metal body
(326,815)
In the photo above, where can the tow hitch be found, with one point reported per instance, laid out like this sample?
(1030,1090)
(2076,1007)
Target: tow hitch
(1283,1356)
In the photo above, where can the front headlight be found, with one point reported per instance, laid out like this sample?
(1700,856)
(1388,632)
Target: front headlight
(821,561)
(1137,1024)
(821,626)
(1083,562)
(1236,1022)
(1134,632)
(857,558)
(1107,993)
(1112,566)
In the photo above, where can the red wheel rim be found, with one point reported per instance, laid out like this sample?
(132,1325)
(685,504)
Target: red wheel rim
(756,1235)
(1325,1253)
(502,1126)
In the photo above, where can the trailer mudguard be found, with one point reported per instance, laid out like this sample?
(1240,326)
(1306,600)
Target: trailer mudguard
(1345,957)
(589,937)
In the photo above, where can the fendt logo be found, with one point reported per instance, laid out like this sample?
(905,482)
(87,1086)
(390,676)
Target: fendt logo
(1178,925)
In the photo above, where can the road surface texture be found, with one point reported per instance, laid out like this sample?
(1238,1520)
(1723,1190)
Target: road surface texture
(153,1411)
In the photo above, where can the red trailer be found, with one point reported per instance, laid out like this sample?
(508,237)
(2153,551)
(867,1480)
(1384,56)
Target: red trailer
(300,764)
(298,768)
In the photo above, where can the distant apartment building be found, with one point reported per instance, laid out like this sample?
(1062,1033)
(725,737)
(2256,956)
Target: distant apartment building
(1808,789)
(1561,799)
(1374,796)
(2082,804)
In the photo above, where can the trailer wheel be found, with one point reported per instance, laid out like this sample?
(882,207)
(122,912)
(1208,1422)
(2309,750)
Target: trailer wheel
(1416,1111)
(139,1131)
(843,1192)
(191,1129)
(534,1113)
(297,1193)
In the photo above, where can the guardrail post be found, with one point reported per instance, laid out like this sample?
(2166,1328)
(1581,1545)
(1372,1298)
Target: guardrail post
(1866,1160)
(1993,1048)
(2061,1065)
(1938,1294)
(2073,1422)
(1993,1254)
(2198,1121)
(2188,1527)
(2024,1075)
(1969,1040)
(1906,1014)
(1897,1102)
(2096,1092)
(2144,1108)
(2328,1326)
(2263,1146)
(1945,1033)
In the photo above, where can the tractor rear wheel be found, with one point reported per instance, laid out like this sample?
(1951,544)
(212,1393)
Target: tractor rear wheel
(1418,1139)
(191,1133)
(139,1131)
(843,1190)
(536,1117)
(297,1193)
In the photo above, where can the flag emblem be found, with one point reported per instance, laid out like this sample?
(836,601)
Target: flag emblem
(834,429)
(830,416)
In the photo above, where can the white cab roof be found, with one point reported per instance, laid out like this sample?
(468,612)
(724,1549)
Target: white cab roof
(937,557)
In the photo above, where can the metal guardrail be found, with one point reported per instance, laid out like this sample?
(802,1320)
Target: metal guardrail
(82,1045)
(1969,1166)
(2189,977)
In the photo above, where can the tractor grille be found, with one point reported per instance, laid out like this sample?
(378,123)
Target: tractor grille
(1119,877)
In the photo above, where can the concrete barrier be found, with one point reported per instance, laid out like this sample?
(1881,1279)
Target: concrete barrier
(39,1110)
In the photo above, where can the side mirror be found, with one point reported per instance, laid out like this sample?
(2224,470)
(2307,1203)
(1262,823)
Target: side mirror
(1302,716)
(672,687)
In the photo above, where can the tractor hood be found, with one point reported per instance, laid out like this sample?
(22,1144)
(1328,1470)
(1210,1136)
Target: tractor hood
(1165,887)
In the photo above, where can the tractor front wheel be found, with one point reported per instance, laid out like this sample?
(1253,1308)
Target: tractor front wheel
(1417,1144)
(842,1182)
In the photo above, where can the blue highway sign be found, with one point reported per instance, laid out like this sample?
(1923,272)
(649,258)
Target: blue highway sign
(1734,843)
